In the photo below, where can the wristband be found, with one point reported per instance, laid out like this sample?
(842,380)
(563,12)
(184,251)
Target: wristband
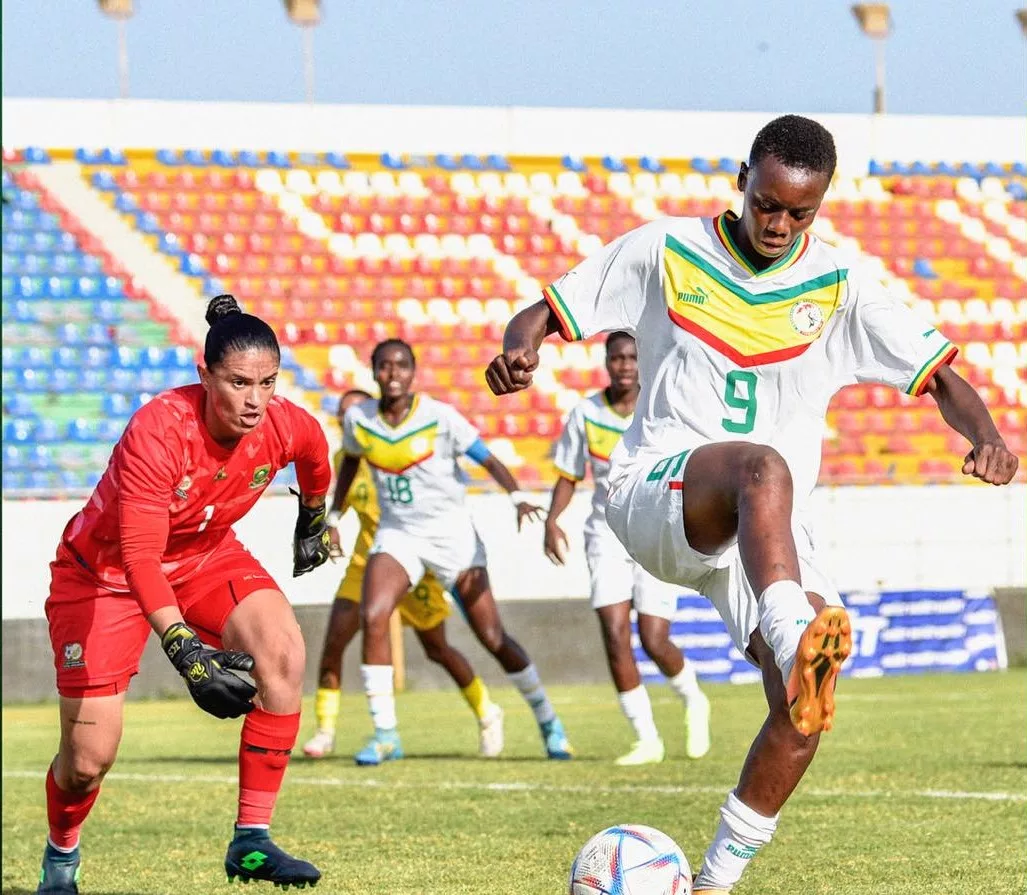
(333,519)
(520,497)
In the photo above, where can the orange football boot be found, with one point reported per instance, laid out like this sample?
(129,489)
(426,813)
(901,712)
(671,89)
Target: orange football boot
(823,646)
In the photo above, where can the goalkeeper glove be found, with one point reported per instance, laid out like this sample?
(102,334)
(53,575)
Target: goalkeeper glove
(312,542)
(208,673)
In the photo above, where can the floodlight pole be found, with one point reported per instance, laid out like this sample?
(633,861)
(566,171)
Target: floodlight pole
(875,21)
(123,58)
(308,60)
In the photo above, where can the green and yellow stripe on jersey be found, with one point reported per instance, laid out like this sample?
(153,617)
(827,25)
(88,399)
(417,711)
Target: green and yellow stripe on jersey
(749,328)
(569,329)
(942,356)
(398,454)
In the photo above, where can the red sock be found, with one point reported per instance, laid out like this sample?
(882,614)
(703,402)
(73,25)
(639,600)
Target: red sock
(267,741)
(66,811)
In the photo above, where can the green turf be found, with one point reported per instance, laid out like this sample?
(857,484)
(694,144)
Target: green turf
(443,821)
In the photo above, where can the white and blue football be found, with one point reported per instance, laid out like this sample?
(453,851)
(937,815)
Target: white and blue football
(630,859)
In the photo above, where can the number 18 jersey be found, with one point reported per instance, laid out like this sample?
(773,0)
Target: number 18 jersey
(414,463)
(727,352)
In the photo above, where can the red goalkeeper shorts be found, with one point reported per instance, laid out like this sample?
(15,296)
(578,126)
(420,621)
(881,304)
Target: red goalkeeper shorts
(98,636)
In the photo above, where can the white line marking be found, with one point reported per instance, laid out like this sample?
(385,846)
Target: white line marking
(514,786)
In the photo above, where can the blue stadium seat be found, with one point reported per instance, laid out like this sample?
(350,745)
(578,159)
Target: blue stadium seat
(994,169)
(41,480)
(117,405)
(212,286)
(34,380)
(573,163)
(152,379)
(727,165)
(968,170)
(178,378)
(125,203)
(307,379)
(876,169)
(40,457)
(195,157)
(1017,191)
(337,160)
(110,429)
(109,156)
(614,164)
(80,429)
(63,381)
(944,169)
(18,404)
(922,268)
(168,157)
(1019,169)
(249,159)
(919,169)
(179,357)
(651,164)
(147,223)
(34,155)
(14,457)
(497,162)
(92,478)
(192,265)
(278,159)
(446,162)
(104,180)
(87,156)
(223,158)
(95,380)
(14,479)
(392,161)
(70,480)
(702,165)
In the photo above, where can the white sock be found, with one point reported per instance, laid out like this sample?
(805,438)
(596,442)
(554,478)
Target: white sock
(685,683)
(380,698)
(639,711)
(784,614)
(741,833)
(534,693)
(61,849)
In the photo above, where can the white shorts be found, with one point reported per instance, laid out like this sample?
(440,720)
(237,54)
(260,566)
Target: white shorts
(644,511)
(614,577)
(447,555)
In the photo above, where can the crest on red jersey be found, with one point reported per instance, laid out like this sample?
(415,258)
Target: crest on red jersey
(261,476)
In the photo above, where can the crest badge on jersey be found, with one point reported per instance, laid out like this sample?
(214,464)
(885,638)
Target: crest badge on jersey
(73,655)
(261,476)
(220,474)
(182,489)
(806,318)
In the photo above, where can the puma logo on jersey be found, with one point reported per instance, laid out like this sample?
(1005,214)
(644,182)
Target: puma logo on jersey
(694,298)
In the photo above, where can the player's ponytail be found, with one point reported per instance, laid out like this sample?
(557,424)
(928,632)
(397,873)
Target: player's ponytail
(233,330)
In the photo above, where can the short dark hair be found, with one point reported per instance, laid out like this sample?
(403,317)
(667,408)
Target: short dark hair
(232,330)
(796,142)
(352,393)
(391,343)
(614,336)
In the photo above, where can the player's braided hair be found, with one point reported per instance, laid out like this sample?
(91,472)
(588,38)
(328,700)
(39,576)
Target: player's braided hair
(796,142)
(232,330)
(391,343)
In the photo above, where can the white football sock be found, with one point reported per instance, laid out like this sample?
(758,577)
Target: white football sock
(380,698)
(60,848)
(784,614)
(534,693)
(741,833)
(685,683)
(639,711)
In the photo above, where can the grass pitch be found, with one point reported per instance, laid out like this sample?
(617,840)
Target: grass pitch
(921,788)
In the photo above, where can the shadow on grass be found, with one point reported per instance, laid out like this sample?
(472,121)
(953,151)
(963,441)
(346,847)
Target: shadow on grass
(1019,765)
(20,891)
(335,760)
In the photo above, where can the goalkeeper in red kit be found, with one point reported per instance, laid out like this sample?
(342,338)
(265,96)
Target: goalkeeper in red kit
(154,549)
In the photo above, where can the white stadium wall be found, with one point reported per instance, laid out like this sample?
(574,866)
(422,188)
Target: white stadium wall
(887,538)
(512,130)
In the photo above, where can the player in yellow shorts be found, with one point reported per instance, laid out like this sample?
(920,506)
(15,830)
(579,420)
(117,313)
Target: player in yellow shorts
(424,608)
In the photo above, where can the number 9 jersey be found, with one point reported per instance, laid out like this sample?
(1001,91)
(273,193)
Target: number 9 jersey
(729,353)
(414,463)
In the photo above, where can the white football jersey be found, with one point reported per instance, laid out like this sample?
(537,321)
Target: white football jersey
(728,353)
(592,431)
(414,463)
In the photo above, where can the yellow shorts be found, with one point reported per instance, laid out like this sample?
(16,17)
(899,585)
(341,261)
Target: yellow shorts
(423,608)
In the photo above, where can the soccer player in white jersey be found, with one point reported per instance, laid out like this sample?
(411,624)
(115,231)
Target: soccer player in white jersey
(746,327)
(616,581)
(412,443)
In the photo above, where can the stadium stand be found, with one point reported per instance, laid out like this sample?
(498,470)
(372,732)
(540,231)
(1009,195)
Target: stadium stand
(339,252)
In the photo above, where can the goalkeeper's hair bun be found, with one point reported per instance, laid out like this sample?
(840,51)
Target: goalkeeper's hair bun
(232,330)
(220,307)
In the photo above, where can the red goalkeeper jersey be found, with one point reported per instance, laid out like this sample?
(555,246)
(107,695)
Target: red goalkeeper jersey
(170,494)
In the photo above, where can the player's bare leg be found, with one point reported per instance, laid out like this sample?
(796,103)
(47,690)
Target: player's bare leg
(489,715)
(777,760)
(615,625)
(474,592)
(654,633)
(385,583)
(343,624)
(264,626)
(90,734)
(737,488)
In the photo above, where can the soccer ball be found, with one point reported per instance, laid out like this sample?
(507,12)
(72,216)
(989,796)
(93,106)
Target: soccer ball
(630,859)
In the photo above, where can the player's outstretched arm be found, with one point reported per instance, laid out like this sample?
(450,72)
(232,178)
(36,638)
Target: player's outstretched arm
(962,408)
(504,478)
(511,371)
(555,536)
